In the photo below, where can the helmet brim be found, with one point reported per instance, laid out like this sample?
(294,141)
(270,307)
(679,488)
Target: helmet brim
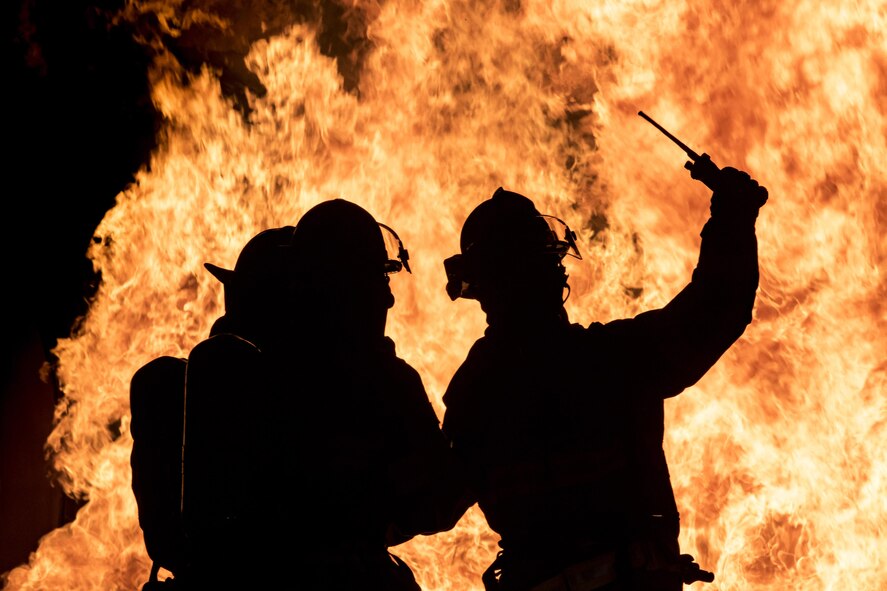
(225,276)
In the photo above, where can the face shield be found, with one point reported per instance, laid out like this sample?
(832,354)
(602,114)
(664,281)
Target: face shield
(397,256)
(564,239)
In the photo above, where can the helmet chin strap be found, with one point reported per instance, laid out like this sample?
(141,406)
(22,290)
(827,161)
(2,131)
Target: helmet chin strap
(567,297)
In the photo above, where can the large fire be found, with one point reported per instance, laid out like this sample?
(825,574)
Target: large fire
(778,455)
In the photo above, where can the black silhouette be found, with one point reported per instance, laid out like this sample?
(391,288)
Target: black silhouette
(310,448)
(561,426)
(255,292)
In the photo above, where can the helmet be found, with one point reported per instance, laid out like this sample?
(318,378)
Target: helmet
(500,236)
(263,257)
(343,258)
(349,235)
(257,288)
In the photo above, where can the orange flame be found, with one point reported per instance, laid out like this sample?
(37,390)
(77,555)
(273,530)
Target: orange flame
(777,455)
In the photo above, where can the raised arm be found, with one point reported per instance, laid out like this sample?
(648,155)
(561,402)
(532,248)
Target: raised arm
(673,347)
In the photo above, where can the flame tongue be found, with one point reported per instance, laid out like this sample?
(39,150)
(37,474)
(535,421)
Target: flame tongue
(777,455)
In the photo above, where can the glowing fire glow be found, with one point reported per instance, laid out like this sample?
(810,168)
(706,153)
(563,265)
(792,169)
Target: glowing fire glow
(778,455)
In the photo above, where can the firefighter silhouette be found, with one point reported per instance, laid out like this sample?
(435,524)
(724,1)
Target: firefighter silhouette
(310,448)
(157,399)
(561,425)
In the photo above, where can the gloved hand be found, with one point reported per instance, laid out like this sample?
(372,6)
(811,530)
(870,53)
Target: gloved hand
(692,572)
(738,197)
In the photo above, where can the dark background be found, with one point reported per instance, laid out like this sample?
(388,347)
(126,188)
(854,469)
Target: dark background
(80,124)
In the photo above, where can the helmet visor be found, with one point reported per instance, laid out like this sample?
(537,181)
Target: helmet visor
(397,256)
(564,239)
